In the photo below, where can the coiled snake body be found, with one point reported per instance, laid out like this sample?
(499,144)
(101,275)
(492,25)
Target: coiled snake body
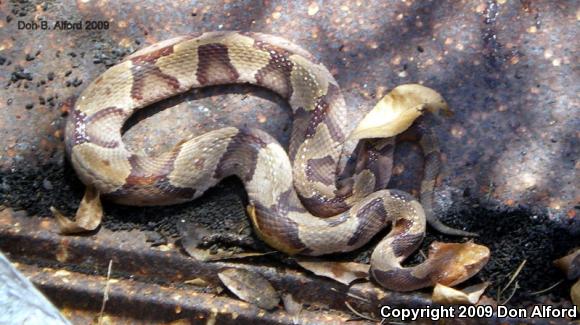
(284,189)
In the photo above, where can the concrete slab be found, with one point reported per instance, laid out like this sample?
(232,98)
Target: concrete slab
(507,68)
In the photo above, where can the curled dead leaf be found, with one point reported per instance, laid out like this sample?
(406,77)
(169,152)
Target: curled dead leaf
(192,237)
(343,272)
(251,287)
(88,217)
(457,262)
(446,295)
(396,111)
(570,264)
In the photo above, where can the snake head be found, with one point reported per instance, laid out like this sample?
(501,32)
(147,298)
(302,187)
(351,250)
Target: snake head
(396,111)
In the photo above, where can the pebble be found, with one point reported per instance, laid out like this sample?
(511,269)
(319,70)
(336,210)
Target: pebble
(20,74)
(77,82)
(4,186)
(22,146)
(29,106)
(47,185)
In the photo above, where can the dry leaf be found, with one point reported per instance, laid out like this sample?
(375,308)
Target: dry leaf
(192,236)
(446,295)
(191,232)
(229,255)
(198,282)
(250,287)
(575,293)
(88,216)
(395,112)
(570,264)
(343,272)
(457,262)
(205,255)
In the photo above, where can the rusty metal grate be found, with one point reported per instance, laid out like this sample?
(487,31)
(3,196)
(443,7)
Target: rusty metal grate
(149,284)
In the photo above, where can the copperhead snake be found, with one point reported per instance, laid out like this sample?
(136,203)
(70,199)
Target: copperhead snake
(326,195)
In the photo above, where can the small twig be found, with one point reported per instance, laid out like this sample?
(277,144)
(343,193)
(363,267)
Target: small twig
(491,188)
(548,288)
(513,277)
(423,254)
(352,295)
(359,314)
(357,297)
(106,293)
(516,273)
(516,287)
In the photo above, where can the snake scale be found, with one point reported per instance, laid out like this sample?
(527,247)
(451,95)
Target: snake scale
(326,195)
